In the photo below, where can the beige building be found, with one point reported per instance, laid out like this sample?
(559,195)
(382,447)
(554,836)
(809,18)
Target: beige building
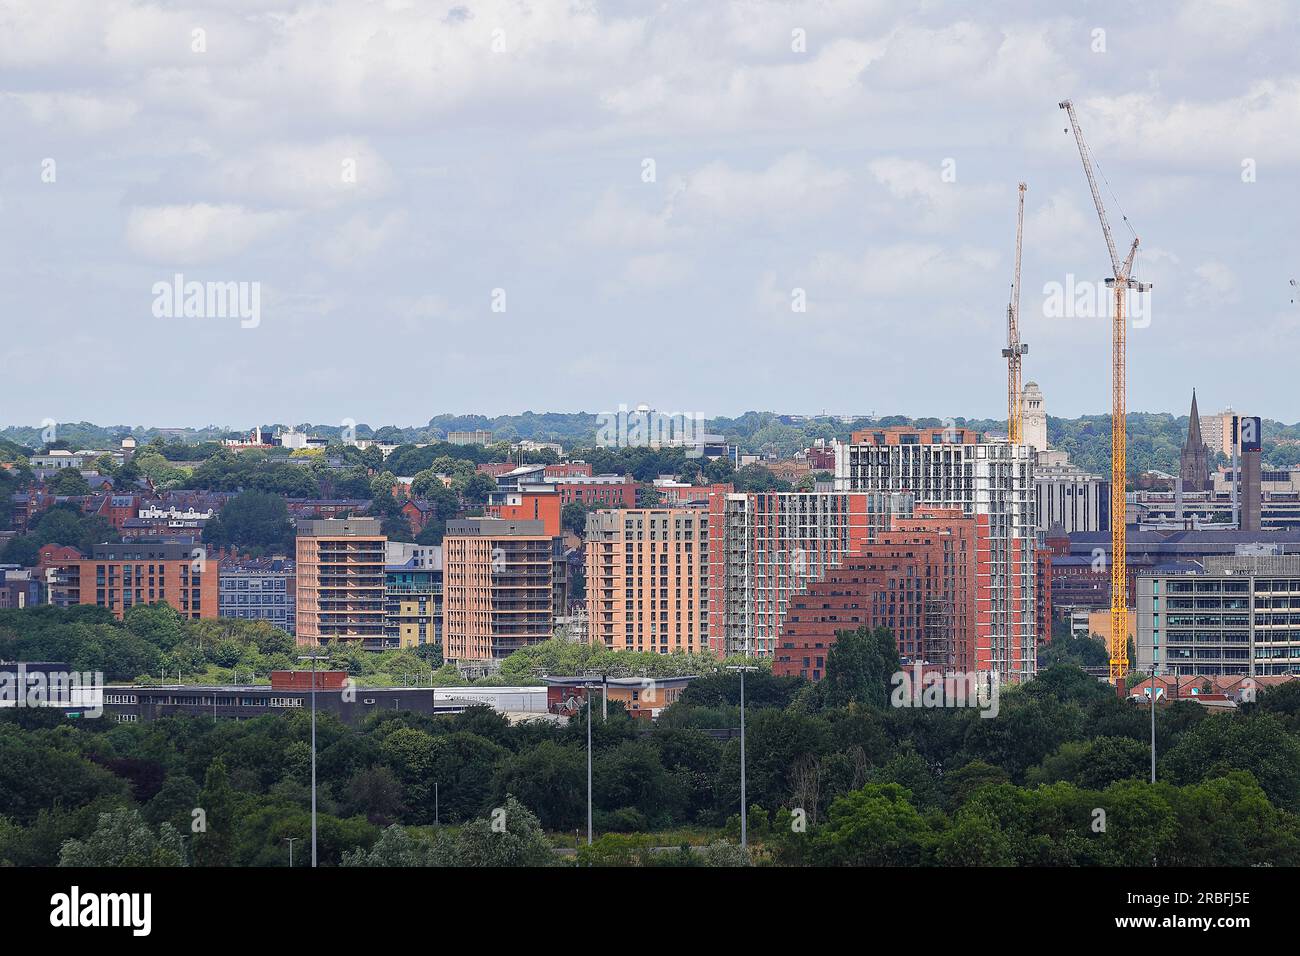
(340,568)
(1216,432)
(1034,421)
(498,581)
(648,579)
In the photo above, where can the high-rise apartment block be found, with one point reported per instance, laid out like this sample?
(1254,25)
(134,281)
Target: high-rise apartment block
(992,482)
(764,547)
(648,578)
(340,564)
(917,579)
(413,595)
(499,587)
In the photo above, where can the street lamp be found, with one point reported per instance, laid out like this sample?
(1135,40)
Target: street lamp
(588,682)
(744,809)
(1153,721)
(313,658)
(290,842)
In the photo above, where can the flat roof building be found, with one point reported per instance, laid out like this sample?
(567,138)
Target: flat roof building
(340,582)
(499,596)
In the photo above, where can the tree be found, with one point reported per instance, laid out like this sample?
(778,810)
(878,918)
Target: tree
(859,668)
(68,481)
(1224,742)
(214,845)
(122,838)
(477,488)
(973,841)
(574,517)
(874,826)
(551,778)
(510,836)
(756,478)
(375,793)
(174,802)
(1094,764)
(631,776)
(401,846)
(256,521)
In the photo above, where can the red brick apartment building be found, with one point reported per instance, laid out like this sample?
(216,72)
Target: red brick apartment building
(568,469)
(601,491)
(121,576)
(917,579)
(764,547)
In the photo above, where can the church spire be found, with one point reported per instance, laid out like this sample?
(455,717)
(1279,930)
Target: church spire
(1194,426)
(1194,463)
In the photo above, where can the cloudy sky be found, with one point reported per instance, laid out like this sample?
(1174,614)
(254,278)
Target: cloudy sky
(500,205)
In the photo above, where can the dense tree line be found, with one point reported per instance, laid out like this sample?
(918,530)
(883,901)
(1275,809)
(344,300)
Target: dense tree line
(153,643)
(836,776)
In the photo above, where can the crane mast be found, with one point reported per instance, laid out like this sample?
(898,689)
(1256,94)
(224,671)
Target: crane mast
(1120,282)
(1015,349)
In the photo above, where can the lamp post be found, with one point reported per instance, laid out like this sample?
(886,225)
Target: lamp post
(313,658)
(290,842)
(1153,722)
(744,808)
(588,682)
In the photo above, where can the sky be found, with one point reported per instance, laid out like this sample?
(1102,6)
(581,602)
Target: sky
(509,205)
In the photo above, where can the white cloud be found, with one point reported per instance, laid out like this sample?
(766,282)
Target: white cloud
(1213,283)
(197,233)
(930,202)
(81,112)
(899,269)
(305,174)
(795,185)
(1221,132)
(616,222)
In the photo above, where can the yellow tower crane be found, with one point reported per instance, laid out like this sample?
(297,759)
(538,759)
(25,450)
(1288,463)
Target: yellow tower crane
(1015,348)
(1120,282)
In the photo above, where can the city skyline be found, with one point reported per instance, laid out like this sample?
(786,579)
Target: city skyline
(650,213)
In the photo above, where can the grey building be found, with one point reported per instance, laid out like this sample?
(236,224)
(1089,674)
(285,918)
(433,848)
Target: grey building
(135,704)
(260,591)
(1236,615)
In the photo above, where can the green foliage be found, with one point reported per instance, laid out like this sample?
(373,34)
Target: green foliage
(859,668)
(60,524)
(255,522)
(122,838)
(835,776)
(574,517)
(874,826)
(566,657)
